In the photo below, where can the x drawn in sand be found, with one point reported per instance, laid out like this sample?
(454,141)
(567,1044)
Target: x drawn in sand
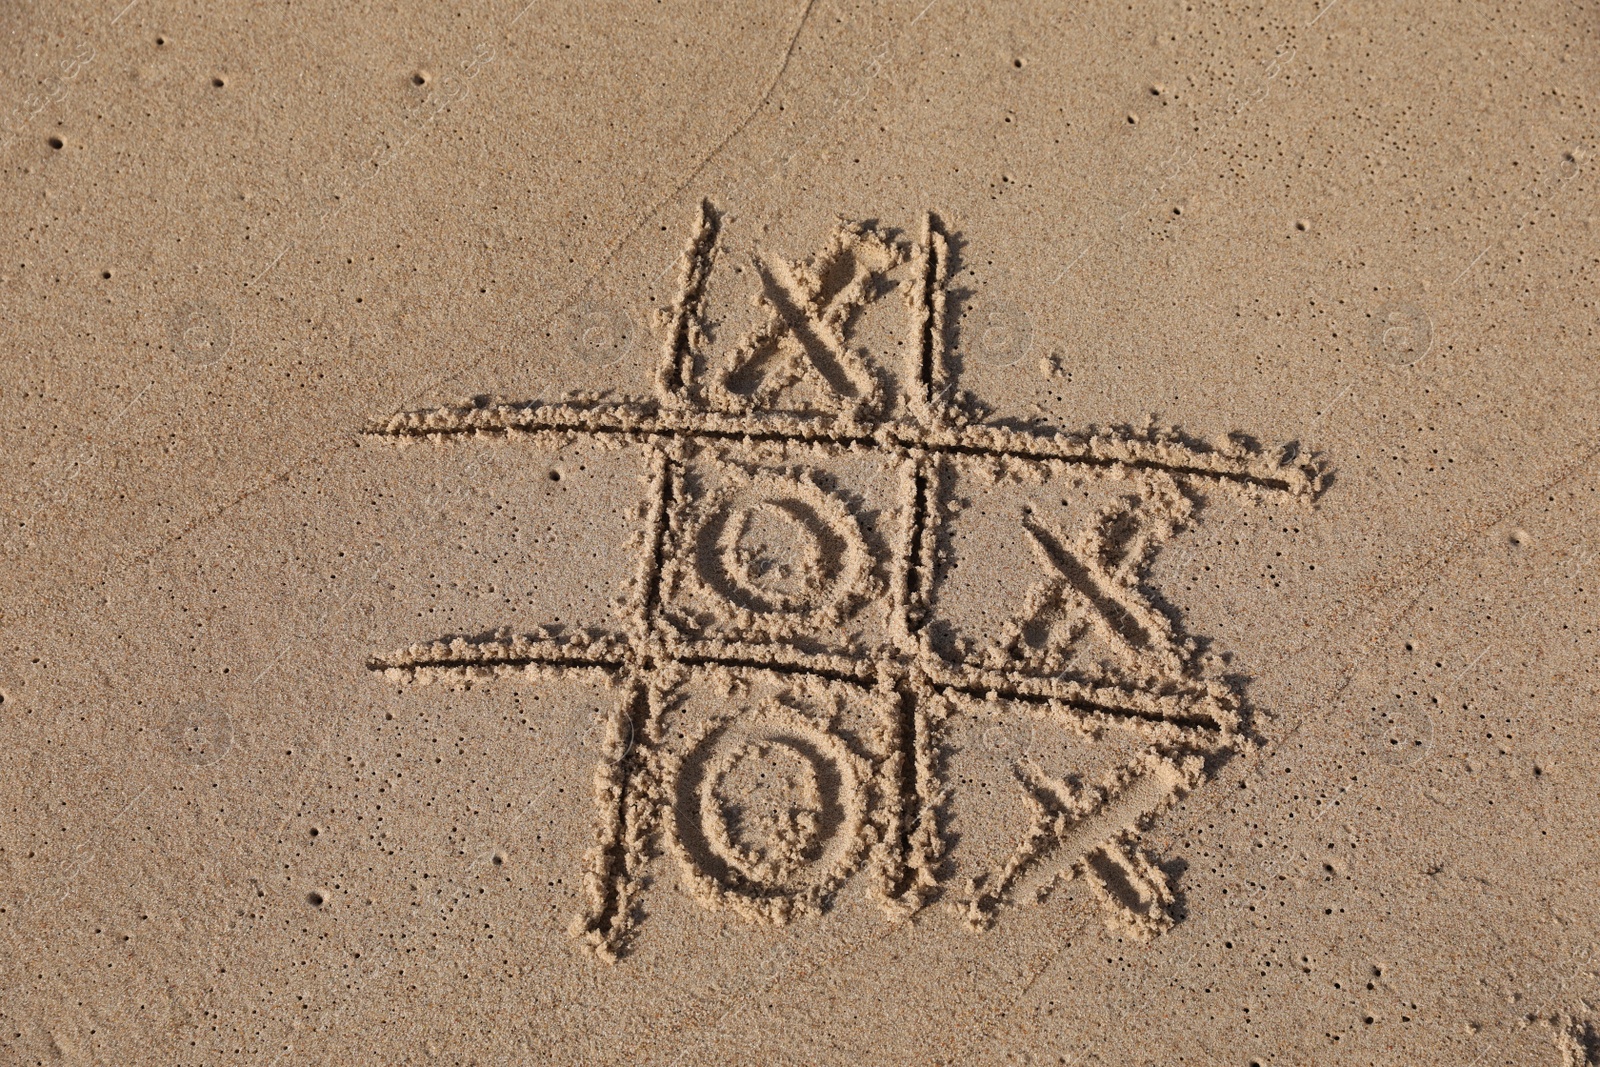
(852,592)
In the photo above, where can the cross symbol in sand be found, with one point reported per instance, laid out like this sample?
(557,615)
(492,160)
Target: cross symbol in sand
(1084,585)
(834,599)
(804,329)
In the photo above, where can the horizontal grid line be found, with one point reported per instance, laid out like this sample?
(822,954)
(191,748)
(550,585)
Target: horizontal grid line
(879,438)
(898,669)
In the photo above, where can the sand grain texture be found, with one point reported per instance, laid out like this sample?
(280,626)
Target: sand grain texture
(806,533)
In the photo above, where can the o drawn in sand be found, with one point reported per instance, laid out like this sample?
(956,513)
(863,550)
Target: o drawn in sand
(767,813)
(846,571)
(778,547)
(766,548)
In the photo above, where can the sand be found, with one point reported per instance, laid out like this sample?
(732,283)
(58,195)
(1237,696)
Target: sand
(802,533)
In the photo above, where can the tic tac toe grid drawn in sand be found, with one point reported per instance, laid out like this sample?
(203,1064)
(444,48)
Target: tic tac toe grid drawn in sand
(854,594)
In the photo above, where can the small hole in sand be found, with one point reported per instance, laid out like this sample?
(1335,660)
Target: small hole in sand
(314,898)
(555,476)
(1019,63)
(161,42)
(105,274)
(217,83)
(315,832)
(55,142)
(497,859)
(419,78)
(1302,225)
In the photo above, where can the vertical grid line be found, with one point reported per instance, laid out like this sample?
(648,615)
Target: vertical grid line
(676,370)
(936,272)
(918,580)
(659,520)
(610,882)
(920,371)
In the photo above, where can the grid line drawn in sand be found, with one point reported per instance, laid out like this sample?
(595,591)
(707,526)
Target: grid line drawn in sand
(813,623)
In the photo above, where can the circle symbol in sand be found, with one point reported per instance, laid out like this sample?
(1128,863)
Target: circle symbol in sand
(199,733)
(200,333)
(762,809)
(1401,334)
(784,548)
(768,814)
(775,552)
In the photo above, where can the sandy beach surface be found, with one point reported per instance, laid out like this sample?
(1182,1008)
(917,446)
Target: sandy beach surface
(806,532)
